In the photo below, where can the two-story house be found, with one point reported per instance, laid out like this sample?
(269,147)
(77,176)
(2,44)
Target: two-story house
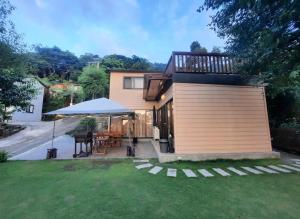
(201,106)
(32,113)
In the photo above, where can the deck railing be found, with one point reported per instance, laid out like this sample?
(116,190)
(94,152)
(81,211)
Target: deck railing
(201,63)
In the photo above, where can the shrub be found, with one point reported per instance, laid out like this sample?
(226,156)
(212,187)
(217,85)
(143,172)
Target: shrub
(86,124)
(3,156)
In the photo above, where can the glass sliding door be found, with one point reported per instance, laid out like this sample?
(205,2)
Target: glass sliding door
(142,124)
(166,124)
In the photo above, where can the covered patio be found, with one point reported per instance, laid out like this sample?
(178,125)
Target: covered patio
(107,139)
(65,150)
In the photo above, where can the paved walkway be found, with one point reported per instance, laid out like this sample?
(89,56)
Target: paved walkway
(35,135)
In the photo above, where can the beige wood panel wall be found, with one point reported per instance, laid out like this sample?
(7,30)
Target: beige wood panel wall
(220,119)
(132,98)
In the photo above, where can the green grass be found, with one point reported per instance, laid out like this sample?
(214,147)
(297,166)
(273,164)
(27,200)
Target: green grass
(115,189)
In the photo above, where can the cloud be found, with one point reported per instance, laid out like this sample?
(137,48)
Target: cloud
(41,3)
(146,28)
(101,41)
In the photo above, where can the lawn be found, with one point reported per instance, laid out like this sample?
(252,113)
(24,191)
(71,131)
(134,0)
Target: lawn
(115,189)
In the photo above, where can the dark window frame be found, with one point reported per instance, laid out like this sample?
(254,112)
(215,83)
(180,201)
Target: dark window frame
(29,109)
(129,77)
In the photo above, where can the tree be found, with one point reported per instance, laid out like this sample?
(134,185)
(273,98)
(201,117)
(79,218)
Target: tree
(196,47)
(139,63)
(16,89)
(122,62)
(216,49)
(86,58)
(45,61)
(94,82)
(267,35)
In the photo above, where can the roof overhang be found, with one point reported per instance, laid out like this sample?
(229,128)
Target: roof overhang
(154,85)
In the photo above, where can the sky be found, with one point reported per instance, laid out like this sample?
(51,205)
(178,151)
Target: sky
(148,28)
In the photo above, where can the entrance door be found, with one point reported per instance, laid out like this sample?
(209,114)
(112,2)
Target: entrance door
(163,122)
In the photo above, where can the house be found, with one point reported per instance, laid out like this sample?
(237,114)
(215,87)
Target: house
(201,106)
(33,113)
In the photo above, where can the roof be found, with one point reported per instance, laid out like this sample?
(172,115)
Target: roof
(96,106)
(134,71)
(40,81)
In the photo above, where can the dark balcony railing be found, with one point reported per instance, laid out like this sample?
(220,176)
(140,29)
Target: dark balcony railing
(201,63)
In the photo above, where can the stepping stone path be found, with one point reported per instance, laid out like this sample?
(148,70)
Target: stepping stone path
(140,161)
(265,169)
(290,167)
(172,172)
(238,172)
(251,170)
(146,165)
(205,173)
(189,173)
(279,169)
(155,170)
(297,165)
(295,160)
(221,172)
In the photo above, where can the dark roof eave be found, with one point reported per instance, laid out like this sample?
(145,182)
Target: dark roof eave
(133,71)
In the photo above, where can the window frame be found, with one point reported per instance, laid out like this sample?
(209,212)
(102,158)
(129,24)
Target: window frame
(130,77)
(29,109)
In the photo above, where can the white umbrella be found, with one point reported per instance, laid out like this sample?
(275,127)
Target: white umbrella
(96,106)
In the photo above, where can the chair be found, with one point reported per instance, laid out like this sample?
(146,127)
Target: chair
(101,143)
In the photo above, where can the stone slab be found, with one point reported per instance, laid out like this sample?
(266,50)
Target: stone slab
(172,172)
(189,173)
(295,160)
(252,170)
(290,167)
(205,173)
(279,169)
(140,161)
(238,172)
(296,165)
(155,170)
(221,172)
(142,166)
(267,170)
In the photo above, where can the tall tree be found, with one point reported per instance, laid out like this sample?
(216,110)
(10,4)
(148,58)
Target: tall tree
(16,89)
(267,35)
(216,49)
(46,61)
(196,47)
(94,82)
(123,62)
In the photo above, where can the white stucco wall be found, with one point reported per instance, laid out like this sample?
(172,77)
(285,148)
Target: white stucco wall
(37,102)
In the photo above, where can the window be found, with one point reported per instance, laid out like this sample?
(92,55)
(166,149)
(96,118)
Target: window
(29,109)
(133,82)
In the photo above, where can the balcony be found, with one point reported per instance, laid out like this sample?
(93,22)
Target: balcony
(203,63)
(191,67)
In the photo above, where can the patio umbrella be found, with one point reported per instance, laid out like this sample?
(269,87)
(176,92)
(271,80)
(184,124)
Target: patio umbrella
(93,107)
(100,106)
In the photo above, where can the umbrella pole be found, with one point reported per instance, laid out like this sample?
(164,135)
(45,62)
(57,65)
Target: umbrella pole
(53,134)
(109,126)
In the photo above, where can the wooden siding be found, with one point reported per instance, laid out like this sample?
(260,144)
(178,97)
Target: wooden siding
(220,119)
(131,98)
